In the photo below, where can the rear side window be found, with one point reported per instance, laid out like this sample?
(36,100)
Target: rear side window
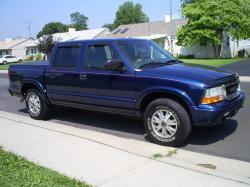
(97,55)
(66,57)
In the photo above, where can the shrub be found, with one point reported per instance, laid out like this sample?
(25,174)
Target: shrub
(39,57)
(30,58)
(191,56)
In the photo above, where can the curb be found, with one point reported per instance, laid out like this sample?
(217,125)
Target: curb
(4,71)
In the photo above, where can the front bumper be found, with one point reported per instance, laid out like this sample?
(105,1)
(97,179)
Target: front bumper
(209,115)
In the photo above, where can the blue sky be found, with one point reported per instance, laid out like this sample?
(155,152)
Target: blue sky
(39,12)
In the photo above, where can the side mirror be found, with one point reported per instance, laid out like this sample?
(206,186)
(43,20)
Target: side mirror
(114,65)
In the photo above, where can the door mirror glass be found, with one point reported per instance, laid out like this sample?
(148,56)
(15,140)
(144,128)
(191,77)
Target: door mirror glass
(114,65)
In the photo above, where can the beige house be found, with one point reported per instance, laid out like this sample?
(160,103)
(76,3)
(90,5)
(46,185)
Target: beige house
(162,32)
(15,47)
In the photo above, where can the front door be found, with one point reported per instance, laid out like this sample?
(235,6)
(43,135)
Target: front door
(102,87)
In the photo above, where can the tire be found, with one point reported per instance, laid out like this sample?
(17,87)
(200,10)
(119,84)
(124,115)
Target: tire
(159,130)
(44,110)
(4,62)
(19,61)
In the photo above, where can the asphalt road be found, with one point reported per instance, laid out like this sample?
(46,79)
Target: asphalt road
(230,139)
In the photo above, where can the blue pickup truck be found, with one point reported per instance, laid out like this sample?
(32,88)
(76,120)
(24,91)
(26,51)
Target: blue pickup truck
(132,77)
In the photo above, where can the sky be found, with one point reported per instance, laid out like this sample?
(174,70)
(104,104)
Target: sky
(16,13)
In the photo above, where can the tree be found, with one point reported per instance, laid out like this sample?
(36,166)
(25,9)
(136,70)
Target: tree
(109,26)
(46,44)
(79,21)
(51,28)
(129,13)
(208,20)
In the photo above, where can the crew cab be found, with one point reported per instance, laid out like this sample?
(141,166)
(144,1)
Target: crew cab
(132,77)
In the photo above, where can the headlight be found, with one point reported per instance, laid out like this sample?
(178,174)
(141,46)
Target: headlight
(214,95)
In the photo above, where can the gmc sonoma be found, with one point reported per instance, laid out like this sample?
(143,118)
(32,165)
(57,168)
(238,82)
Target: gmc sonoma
(132,77)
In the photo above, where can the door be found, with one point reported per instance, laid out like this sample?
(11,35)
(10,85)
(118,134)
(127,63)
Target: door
(62,77)
(102,87)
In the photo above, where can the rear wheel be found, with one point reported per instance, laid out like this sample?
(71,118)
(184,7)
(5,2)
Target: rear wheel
(37,106)
(20,60)
(167,122)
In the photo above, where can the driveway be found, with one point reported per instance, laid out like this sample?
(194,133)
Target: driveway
(242,67)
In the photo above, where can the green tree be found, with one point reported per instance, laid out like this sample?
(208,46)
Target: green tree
(79,21)
(208,19)
(129,13)
(51,28)
(109,26)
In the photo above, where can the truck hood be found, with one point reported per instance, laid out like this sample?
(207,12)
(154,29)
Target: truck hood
(194,73)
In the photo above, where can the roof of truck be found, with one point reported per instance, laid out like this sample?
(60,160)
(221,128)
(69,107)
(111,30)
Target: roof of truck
(100,40)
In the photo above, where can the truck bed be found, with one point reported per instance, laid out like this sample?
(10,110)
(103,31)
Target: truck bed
(25,72)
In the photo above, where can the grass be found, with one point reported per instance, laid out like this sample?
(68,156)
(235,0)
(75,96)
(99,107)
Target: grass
(17,171)
(213,62)
(4,67)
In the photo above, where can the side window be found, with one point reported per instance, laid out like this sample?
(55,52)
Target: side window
(97,55)
(66,57)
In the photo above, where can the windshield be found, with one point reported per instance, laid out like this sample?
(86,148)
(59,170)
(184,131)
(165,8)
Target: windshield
(141,53)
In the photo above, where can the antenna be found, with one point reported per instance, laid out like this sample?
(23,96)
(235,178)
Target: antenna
(28,23)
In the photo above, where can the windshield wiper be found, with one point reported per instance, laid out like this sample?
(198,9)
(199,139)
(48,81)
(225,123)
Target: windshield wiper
(152,64)
(156,63)
(173,61)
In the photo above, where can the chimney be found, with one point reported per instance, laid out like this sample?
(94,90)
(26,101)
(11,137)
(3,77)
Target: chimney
(8,39)
(72,30)
(167,18)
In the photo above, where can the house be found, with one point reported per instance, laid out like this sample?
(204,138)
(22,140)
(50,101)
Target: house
(71,35)
(158,31)
(162,32)
(15,47)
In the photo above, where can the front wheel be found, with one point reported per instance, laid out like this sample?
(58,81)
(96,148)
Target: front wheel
(167,122)
(4,62)
(38,108)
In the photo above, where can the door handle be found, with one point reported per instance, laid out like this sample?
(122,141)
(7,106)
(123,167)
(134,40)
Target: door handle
(83,76)
(53,75)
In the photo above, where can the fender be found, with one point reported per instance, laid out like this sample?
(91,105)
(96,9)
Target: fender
(168,90)
(36,83)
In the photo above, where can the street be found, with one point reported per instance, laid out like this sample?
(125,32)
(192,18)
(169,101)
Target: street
(230,139)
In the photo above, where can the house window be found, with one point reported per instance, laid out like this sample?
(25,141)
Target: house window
(228,41)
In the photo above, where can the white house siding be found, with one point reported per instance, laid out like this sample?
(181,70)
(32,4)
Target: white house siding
(19,50)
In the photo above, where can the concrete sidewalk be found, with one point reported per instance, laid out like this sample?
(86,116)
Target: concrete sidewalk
(105,160)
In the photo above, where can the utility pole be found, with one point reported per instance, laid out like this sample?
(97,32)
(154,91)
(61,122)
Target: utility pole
(170,27)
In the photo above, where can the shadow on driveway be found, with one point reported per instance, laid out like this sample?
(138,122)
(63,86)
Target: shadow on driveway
(210,135)
(133,128)
(242,67)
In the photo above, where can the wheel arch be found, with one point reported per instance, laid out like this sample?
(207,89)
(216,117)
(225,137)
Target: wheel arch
(176,96)
(30,84)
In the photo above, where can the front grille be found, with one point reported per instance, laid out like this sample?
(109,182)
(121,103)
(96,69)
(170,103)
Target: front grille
(232,90)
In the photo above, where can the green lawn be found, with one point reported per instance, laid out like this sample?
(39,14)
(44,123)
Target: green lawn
(16,171)
(213,62)
(4,67)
